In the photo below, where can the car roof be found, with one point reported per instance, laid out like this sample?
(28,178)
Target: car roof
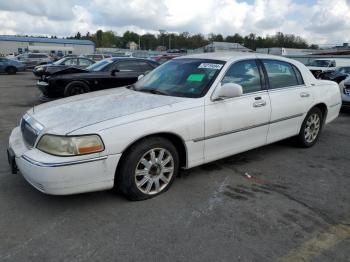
(234,55)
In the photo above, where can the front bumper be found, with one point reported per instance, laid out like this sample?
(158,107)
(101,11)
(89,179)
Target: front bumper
(43,87)
(62,175)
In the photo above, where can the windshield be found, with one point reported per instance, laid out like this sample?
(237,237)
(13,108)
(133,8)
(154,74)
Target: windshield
(99,66)
(181,77)
(320,63)
(58,62)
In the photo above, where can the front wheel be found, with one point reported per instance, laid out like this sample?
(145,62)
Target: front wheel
(11,70)
(75,88)
(311,128)
(148,168)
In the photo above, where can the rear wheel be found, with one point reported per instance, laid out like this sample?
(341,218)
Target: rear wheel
(148,168)
(311,128)
(11,70)
(75,88)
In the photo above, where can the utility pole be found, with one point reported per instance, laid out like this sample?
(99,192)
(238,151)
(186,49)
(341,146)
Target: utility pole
(139,42)
(169,41)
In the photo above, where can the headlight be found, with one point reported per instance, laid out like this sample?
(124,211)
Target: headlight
(70,145)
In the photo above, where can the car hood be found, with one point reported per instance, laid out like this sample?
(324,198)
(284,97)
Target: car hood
(66,115)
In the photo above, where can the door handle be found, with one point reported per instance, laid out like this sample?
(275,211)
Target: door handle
(304,94)
(259,104)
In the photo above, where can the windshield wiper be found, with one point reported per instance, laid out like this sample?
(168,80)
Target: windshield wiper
(153,91)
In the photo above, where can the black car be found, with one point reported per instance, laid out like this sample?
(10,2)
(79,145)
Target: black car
(108,73)
(48,69)
(337,75)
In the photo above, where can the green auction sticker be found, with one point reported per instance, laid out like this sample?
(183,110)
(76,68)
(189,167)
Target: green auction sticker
(195,77)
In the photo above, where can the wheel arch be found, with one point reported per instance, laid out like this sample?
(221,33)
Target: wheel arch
(324,109)
(9,67)
(176,139)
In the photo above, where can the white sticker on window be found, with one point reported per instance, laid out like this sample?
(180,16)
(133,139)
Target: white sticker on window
(210,66)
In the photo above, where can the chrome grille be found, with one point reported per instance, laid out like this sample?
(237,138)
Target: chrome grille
(28,133)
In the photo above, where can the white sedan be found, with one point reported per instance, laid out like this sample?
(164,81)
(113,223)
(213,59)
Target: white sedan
(189,111)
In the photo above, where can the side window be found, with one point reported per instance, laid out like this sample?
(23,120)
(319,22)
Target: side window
(70,62)
(144,66)
(126,66)
(246,74)
(280,74)
(298,75)
(84,62)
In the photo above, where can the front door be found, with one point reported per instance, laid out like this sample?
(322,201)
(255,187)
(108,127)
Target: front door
(238,124)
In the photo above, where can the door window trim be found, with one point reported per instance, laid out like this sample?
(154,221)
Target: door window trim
(285,87)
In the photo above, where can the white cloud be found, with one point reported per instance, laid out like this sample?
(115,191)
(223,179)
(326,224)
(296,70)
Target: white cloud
(321,22)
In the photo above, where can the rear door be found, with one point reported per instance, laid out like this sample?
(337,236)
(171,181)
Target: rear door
(290,99)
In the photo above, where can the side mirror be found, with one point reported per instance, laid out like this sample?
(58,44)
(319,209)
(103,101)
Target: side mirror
(114,71)
(140,76)
(228,90)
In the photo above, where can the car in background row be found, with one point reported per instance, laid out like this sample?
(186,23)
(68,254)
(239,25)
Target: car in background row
(189,111)
(11,66)
(337,75)
(33,59)
(108,73)
(320,65)
(64,63)
(163,58)
(345,93)
(97,57)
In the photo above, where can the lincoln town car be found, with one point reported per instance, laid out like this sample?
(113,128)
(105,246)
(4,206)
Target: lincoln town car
(189,111)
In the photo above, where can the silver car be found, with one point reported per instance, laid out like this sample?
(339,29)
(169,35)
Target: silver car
(34,59)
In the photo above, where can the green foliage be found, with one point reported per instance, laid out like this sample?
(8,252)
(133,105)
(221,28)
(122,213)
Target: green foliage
(187,41)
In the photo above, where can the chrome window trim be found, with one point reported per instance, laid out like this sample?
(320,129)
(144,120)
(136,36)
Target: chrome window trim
(69,163)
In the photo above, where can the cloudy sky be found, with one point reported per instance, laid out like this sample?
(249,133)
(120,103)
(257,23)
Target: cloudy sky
(319,21)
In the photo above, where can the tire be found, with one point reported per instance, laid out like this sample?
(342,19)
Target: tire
(11,70)
(311,128)
(75,88)
(139,177)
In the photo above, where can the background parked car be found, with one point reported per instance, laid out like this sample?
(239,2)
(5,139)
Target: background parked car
(97,57)
(48,69)
(163,58)
(34,59)
(10,66)
(345,93)
(337,75)
(108,73)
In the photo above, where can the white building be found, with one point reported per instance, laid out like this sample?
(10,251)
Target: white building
(21,44)
(224,47)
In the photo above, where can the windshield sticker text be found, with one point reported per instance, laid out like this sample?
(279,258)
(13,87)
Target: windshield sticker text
(210,66)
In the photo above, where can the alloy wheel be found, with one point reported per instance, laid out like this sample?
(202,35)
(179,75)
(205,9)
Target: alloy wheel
(312,128)
(154,171)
